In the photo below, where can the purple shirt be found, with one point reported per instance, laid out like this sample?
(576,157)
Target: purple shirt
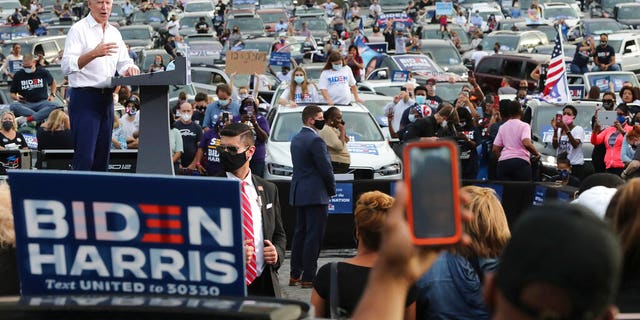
(510,136)
(261,146)
(210,141)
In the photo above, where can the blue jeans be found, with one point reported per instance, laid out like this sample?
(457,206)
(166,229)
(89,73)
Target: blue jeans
(311,222)
(613,67)
(575,69)
(39,110)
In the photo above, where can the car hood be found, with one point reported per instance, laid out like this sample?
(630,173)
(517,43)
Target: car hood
(147,44)
(365,154)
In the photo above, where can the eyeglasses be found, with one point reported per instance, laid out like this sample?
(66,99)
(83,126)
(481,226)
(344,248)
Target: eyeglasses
(233,150)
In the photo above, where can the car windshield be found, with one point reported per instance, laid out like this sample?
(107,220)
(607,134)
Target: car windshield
(284,3)
(598,26)
(204,48)
(548,31)
(444,55)
(486,14)
(629,13)
(541,123)
(174,90)
(609,4)
(261,46)
(360,127)
(312,24)
(147,59)
(8,32)
(436,34)
(116,10)
(560,12)
(135,34)
(198,6)
(273,17)
(246,24)
(383,3)
(189,22)
(449,91)
(148,16)
(605,81)
(313,73)
(615,44)
(416,63)
(507,42)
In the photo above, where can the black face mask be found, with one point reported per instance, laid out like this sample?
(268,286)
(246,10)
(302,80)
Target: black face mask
(319,124)
(7,125)
(231,163)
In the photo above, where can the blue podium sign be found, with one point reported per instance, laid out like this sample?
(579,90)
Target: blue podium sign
(98,233)
(342,202)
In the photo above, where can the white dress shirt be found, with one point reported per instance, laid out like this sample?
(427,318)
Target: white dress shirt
(256,214)
(83,37)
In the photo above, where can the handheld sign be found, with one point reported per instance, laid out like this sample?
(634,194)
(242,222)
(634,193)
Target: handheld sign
(399,76)
(127,234)
(444,8)
(15,65)
(280,59)
(245,62)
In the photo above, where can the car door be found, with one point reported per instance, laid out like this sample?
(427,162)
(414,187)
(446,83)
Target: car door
(630,55)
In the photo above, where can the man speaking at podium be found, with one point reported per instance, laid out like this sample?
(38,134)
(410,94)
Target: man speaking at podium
(93,52)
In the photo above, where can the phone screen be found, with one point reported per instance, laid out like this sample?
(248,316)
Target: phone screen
(558,118)
(225,117)
(433,204)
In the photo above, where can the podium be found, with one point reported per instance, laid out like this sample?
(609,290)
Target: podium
(154,151)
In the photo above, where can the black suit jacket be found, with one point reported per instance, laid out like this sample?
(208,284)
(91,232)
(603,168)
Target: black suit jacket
(272,228)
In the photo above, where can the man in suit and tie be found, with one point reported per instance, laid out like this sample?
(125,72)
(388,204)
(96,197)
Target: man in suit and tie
(311,186)
(264,235)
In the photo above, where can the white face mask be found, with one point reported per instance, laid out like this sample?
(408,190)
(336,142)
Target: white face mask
(185,116)
(443,123)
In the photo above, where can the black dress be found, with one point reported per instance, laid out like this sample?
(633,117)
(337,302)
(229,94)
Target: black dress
(58,139)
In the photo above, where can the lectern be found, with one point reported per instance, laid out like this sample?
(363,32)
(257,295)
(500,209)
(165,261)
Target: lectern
(154,152)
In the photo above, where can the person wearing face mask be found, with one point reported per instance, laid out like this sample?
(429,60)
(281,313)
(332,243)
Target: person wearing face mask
(157,65)
(32,100)
(312,184)
(199,106)
(337,82)
(567,138)
(604,58)
(265,246)
(468,137)
(335,136)
(10,139)
(414,113)
(300,89)
(514,147)
(633,140)
(175,145)
(597,156)
(130,121)
(223,104)
(565,176)
(258,123)
(191,133)
(235,37)
(401,103)
(438,125)
(207,158)
(612,138)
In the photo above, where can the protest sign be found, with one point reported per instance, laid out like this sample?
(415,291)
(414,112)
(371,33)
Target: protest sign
(444,8)
(246,62)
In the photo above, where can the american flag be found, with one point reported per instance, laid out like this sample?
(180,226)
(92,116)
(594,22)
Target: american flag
(556,88)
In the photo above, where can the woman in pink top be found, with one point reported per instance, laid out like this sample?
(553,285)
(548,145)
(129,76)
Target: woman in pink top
(513,146)
(612,138)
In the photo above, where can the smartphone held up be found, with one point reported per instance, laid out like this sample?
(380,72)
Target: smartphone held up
(432,176)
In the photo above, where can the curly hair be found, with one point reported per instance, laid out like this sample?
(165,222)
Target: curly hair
(370,214)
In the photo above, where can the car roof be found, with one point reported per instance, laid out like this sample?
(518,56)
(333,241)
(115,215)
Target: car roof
(624,35)
(512,33)
(555,4)
(436,42)
(136,26)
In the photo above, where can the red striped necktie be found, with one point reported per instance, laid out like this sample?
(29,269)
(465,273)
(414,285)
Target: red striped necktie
(247,226)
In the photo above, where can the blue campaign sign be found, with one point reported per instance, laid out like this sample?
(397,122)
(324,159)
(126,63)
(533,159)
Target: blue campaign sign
(379,47)
(444,8)
(280,59)
(342,202)
(127,234)
(577,91)
(539,195)
(15,65)
(399,76)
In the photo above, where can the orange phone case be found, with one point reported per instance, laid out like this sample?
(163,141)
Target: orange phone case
(455,238)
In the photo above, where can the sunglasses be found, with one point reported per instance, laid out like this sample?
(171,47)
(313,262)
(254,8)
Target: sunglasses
(233,150)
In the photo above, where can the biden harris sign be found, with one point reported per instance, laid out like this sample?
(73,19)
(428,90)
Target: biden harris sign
(127,234)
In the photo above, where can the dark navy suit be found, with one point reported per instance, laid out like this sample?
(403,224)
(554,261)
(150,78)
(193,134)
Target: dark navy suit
(312,185)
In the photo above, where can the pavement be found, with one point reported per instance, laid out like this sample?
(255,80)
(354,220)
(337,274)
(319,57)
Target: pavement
(304,295)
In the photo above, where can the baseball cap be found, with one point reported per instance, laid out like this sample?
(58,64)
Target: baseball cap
(431,81)
(135,100)
(565,246)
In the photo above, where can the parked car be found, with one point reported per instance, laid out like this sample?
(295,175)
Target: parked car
(318,27)
(420,66)
(627,14)
(271,18)
(371,154)
(432,31)
(593,27)
(627,48)
(204,51)
(202,7)
(146,58)
(511,42)
(139,37)
(189,20)
(491,69)
(249,26)
(554,11)
(154,18)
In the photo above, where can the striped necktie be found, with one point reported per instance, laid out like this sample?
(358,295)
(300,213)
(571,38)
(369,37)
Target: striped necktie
(247,226)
